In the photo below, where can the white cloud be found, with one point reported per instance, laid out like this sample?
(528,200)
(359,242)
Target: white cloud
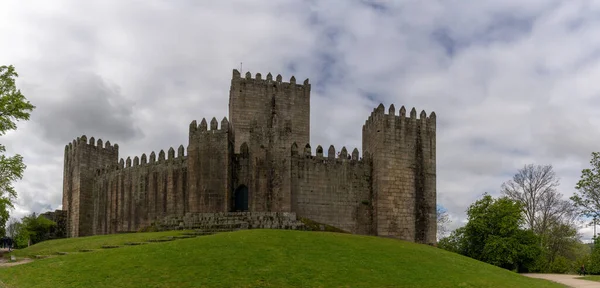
(511,82)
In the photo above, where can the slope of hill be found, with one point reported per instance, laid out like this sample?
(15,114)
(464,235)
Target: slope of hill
(259,258)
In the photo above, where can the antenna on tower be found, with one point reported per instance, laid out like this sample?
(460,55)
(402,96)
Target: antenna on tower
(241,67)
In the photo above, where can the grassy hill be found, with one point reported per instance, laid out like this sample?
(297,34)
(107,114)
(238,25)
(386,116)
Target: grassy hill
(255,258)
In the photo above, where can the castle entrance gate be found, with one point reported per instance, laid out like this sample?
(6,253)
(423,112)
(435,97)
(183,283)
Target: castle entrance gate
(240,199)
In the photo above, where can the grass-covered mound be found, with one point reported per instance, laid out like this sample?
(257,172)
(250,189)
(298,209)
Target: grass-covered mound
(90,243)
(265,258)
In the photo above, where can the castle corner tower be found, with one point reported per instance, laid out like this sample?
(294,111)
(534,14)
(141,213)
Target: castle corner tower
(404,173)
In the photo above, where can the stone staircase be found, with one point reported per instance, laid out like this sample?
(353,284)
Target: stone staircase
(210,223)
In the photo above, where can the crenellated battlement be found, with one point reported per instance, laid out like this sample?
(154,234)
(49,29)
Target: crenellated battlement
(83,142)
(379,116)
(168,158)
(271,102)
(203,127)
(163,158)
(277,83)
(342,156)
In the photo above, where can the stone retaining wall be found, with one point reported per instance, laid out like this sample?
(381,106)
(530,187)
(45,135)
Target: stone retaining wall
(232,221)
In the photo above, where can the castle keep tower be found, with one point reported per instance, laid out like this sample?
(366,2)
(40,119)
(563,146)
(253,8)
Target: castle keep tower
(404,173)
(268,115)
(260,162)
(257,102)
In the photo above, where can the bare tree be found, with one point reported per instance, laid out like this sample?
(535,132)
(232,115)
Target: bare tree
(13,228)
(443,219)
(535,186)
(554,210)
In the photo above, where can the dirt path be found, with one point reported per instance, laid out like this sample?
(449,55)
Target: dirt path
(568,280)
(6,263)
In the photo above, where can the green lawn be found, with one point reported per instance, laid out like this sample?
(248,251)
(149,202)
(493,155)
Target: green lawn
(591,278)
(91,242)
(261,258)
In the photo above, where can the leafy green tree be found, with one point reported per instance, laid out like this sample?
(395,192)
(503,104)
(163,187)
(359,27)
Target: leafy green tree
(587,197)
(22,238)
(560,265)
(560,248)
(13,107)
(38,227)
(493,234)
(31,229)
(561,241)
(583,253)
(593,267)
(455,242)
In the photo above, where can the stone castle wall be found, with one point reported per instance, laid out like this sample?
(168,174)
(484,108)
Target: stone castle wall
(60,218)
(82,160)
(403,153)
(210,167)
(253,102)
(131,194)
(333,190)
(391,191)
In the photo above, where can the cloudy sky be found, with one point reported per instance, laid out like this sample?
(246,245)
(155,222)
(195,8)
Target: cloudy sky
(511,81)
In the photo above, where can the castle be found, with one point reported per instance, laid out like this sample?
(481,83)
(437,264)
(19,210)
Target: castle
(260,160)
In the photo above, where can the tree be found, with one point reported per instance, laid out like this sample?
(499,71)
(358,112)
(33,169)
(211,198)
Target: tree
(13,107)
(32,229)
(535,186)
(560,245)
(493,234)
(561,241)
(552,218)
(587,197)
(38,227)
(443,219)
(594,260)
(582,254)
(12,229)
(455,242)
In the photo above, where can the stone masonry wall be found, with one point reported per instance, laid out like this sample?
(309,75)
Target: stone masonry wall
(210,168)
(82,159)
(269,116)
(257,99)
(232,221)
(332,190)
(390,192)
(266,165)
(60,218)
(252,171)
(403,153)
(266,176)
(129,197)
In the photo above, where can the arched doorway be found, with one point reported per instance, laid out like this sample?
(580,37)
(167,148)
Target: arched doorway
(240,199)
